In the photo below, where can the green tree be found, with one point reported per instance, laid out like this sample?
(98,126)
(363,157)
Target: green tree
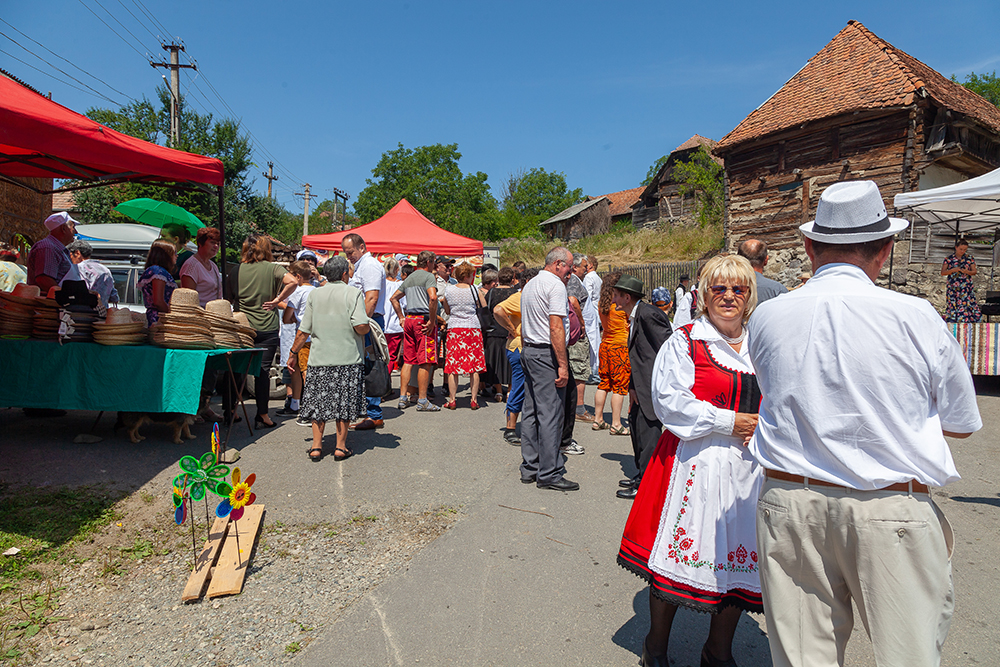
(429,178)
(702,176)
(654,168)
(527,198)
(984,85)
(200,134)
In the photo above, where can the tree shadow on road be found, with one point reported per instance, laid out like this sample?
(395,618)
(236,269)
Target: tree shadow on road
(984,501)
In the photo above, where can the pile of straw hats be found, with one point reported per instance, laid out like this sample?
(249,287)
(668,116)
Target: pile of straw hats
(120,328)
(81,320)
(186,326)
(46,325)
(17,311)
(226,329)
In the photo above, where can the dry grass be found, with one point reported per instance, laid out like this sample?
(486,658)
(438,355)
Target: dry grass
(677,244)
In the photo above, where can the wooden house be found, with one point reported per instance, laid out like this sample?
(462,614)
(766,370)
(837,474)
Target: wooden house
(584,219)
(859,109)
(664,200)
(22,211)
(620,204)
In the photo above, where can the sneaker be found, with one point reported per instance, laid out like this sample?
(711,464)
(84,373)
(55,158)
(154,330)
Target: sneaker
(511,436)
(302,421)
(572,448)
(286,411)
(427,406)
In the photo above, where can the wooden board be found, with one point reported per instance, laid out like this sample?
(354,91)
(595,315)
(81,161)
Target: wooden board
(206,559)
(231,568)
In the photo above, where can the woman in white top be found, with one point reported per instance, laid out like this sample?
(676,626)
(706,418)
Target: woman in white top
(393,329)
(465,339)
(200,272)
(691,532)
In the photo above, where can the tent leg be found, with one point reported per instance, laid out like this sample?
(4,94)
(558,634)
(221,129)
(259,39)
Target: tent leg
(222,240)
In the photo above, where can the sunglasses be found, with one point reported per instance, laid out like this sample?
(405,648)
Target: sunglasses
(738,290)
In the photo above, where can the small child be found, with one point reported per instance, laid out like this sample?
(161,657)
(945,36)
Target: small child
(290,319)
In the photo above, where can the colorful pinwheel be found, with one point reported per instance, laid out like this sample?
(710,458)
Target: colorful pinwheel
(198,476)
(240,496)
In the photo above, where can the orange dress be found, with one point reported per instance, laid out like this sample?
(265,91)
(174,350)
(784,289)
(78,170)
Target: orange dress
(613,363)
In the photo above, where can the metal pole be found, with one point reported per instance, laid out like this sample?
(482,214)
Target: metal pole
(222,244)
(175,90)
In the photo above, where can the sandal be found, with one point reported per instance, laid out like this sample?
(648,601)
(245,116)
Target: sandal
(337,456)
(620,430)
(599,426)
(315,457)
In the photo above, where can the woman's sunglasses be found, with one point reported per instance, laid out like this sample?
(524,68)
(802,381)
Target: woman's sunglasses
(738,290)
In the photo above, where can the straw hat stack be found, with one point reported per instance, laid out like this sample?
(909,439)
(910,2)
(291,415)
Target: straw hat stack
(17,311)
(186,326)
(226,330)
(83,319)
(46,325)
(120,329)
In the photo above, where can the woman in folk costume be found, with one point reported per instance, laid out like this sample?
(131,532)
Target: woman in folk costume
(691,531)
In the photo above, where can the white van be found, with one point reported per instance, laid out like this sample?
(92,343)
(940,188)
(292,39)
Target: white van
(122,248)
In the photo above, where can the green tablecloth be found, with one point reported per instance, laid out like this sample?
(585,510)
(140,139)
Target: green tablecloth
(88,376)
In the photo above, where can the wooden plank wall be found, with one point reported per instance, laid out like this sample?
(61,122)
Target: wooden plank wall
(773,188)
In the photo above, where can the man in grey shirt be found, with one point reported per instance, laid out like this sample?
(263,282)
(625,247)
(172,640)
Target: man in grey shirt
(755,252)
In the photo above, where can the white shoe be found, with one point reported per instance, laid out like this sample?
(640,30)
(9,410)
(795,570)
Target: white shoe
(573,448)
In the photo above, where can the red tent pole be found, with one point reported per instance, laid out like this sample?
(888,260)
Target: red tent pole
(222,242)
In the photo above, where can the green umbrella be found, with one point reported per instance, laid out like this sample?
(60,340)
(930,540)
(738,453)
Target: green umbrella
(159,213)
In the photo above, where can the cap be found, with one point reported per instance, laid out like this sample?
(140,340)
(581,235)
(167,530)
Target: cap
(400,257)
(58,220)
(306,253)
(660,294)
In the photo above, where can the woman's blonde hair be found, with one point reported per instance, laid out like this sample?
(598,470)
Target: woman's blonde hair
(726,268)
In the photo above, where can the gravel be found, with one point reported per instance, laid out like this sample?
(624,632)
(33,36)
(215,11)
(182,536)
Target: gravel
(300,581)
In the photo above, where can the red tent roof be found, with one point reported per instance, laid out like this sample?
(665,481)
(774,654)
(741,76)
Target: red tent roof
(40,138)
(403,229)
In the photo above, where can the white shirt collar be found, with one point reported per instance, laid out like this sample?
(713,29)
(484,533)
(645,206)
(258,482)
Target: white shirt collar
(631,313)
(842,269)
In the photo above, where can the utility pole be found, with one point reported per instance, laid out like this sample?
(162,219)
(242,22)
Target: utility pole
(305,217)
(269,175)
(175,87)
(337,196)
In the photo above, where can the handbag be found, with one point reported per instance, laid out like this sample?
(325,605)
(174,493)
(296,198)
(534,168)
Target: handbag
(575,327)
(377,382)
(483,313)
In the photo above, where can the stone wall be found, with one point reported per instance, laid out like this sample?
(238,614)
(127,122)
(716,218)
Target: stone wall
(23,211)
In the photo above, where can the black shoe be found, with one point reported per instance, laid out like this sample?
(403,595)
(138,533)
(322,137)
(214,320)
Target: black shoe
(649,661)
(528,480)
(627,494)
(630,482)
(562,485)
(511,436)
(286,411)
(258,422)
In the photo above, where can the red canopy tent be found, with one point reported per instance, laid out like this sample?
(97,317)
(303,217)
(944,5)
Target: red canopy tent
(39,138)
(403,229)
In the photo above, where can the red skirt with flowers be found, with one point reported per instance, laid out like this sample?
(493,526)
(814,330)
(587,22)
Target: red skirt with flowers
(465,352)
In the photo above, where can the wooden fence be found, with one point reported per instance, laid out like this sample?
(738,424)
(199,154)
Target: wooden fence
(663,274)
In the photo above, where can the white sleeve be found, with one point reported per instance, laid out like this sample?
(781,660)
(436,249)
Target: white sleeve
(675,405)
(952,387)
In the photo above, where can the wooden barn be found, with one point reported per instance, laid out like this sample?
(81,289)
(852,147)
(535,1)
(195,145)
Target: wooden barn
(584,219)
(22,212)
(859,109)
(664,201)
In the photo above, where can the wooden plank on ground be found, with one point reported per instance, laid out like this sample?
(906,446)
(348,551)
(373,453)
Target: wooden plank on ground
(231,568)
(206,559)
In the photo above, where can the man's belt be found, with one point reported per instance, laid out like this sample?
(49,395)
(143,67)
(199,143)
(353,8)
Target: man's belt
(540,346)
(909,487)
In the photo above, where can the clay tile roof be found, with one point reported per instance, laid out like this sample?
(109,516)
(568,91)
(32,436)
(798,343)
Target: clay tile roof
(695,141)
(63,201)
(621,202)
(856,71)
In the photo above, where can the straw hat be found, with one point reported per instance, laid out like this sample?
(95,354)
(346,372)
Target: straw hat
(185,298)
(242,318)
(118,316)
(26,291)
(220,308)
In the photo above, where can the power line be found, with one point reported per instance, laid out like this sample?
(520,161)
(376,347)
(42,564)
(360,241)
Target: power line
(51,76)
(146,56)
(139,22)
(142,8)
(120,23)
(63,59)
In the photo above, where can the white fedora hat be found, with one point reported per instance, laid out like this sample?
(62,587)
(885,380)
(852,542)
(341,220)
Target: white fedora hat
(852,212)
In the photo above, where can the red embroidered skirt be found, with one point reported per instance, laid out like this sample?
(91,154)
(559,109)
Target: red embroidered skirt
(465,352)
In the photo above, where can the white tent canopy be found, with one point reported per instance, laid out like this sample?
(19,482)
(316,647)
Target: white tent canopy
(969,206)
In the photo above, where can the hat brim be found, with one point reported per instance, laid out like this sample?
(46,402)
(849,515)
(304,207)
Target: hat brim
(896,225)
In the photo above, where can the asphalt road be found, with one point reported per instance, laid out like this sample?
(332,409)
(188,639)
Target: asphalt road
(527,576)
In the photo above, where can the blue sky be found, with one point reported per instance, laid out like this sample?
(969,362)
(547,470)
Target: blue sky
(595,90)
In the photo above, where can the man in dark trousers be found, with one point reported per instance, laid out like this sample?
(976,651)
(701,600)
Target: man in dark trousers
(648,329)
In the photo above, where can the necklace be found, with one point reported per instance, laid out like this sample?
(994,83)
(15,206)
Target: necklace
(734,341)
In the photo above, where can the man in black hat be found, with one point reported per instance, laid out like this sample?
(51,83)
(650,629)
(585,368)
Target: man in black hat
(648,329)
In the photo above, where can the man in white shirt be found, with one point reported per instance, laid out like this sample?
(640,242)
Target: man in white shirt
(97,276)
(544,327)
(369,277)
(755,252)
(860,386)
